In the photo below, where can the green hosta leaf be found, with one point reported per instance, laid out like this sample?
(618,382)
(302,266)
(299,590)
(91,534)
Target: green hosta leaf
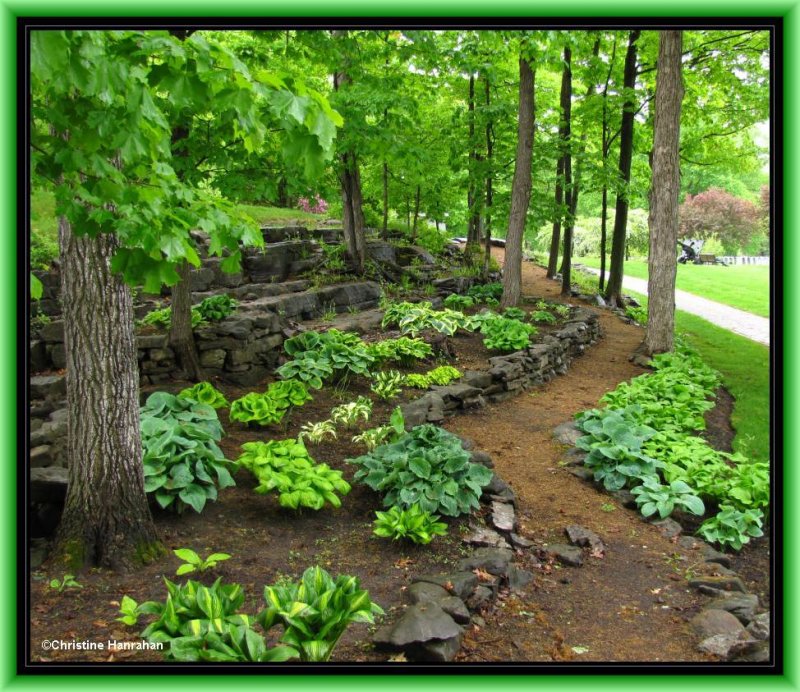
(194,496)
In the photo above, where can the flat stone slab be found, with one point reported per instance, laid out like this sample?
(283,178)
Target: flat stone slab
(459,584)
(492,560)
(578,535)
(712,621)
(423,622)
(503,516)
(724,583)
(669,528)
(483,536)
(742,605)
(520,541)
(759,626)
(423,592)
(568,554)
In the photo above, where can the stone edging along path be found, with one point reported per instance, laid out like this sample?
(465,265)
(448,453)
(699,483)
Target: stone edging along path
(440,606)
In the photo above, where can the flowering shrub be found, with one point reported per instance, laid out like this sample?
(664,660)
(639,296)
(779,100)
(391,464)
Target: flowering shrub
(316,206)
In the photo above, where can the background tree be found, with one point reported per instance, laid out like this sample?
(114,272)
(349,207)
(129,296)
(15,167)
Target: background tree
(665,188)
(521,187)
(717,214)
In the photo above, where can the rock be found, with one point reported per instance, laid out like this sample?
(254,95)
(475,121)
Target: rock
(423,622)
(48,387)
(503,516)
(574,457)
(759,626)
(459,584)
(423,592)
(712,621)
(742,605)
(711,555)
(482,458)
(40,456)
(625,498)
(477,379)
(38,552)
(567,433)
(518,578)
(568,554)
(599,301)
(466,444)
(48,485)
(483,536)
(720,644)
(721,583)
(479,598)
(151,341)
(582,472)
(214,358)
(436,651)
(669,528)
(519,541)
(751,652)
(691,543)
(578,535)
(492,560)
(38,356)
(249,377)
(53,332)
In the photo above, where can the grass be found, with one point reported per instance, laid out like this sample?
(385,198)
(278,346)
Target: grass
(742,286)
(261,214)
(744,366)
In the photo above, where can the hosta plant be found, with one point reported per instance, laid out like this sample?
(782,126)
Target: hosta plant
(284,466)
(483,291)
(317,432)
(403,350)
(428,466)
(383,434)
(255,407)
(162,317)
(205,393)
(413,318)
(183,464)
(457,302)
(651,497)
(387,384)
(216,307)
(315,612)
(417,381)
(443,375)
(413,524)
(503,334)
(194,563)
(351,413)
(542,316)
(514,313)
(340,353)
(732,527)
(310,370)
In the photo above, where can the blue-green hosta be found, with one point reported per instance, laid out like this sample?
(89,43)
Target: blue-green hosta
(427,466)
(732,527)
(651,497)
(183,464)
(315,612)
(285,466)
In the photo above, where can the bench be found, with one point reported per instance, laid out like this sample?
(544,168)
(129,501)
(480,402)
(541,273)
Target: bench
(710,259)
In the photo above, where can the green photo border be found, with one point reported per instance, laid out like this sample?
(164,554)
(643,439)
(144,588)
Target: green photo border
(11,360)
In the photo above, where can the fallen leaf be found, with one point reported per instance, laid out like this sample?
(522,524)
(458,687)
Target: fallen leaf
(482,575)
(449,586)
(404,563)
(580,649)
(100,623)
(398,658)
(597,552)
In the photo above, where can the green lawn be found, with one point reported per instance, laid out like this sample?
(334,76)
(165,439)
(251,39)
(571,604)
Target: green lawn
(743,286)
(276,215)
(744,365)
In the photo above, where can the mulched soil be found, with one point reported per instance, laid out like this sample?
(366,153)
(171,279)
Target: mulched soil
(633,604)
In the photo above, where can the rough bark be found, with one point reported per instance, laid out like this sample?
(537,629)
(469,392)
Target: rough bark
(569,223)
(473,237)
(181,335)
(606,143)
(106,519)
(614,287)
(662,262)
(520,187)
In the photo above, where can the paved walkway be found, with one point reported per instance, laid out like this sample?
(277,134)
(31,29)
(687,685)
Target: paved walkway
(738,321)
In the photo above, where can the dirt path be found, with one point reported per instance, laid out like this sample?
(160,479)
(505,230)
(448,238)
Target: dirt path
(737,321)
(631,605)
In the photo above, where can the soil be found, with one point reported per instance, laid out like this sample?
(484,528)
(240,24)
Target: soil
(632,604)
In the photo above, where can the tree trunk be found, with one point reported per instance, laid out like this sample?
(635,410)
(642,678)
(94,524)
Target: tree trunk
(603,217)
(662,262)
(385,229)
(181,335)
(555,239)
(520,187)
(416,216)
(605,147)
(614,287)
(473,237)
(487,239)
(106,519)
(353,214)
(566,264)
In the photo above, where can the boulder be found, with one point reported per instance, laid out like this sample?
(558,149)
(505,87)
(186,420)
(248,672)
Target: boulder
(567,433)
(567,554)
(483,536)
(459,584)
(713,621)
(424,592)
(578,535)
(742,605)
(492,560)
(503,516)
(48,387)
(48,485)
(723,583)
(423,622)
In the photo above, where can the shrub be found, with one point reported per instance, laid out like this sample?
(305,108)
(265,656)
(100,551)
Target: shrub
(427,466)
(215,308)
(183,465)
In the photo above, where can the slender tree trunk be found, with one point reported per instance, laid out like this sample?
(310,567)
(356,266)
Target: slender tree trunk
(416,215)
(473,236)
(487,239)
(408,212)
(350,179)
(614,287)
(605,146)
(662,263)
(106,519)
(520,187)
(555,239)
(181,335)
(566,263)
(385,229)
